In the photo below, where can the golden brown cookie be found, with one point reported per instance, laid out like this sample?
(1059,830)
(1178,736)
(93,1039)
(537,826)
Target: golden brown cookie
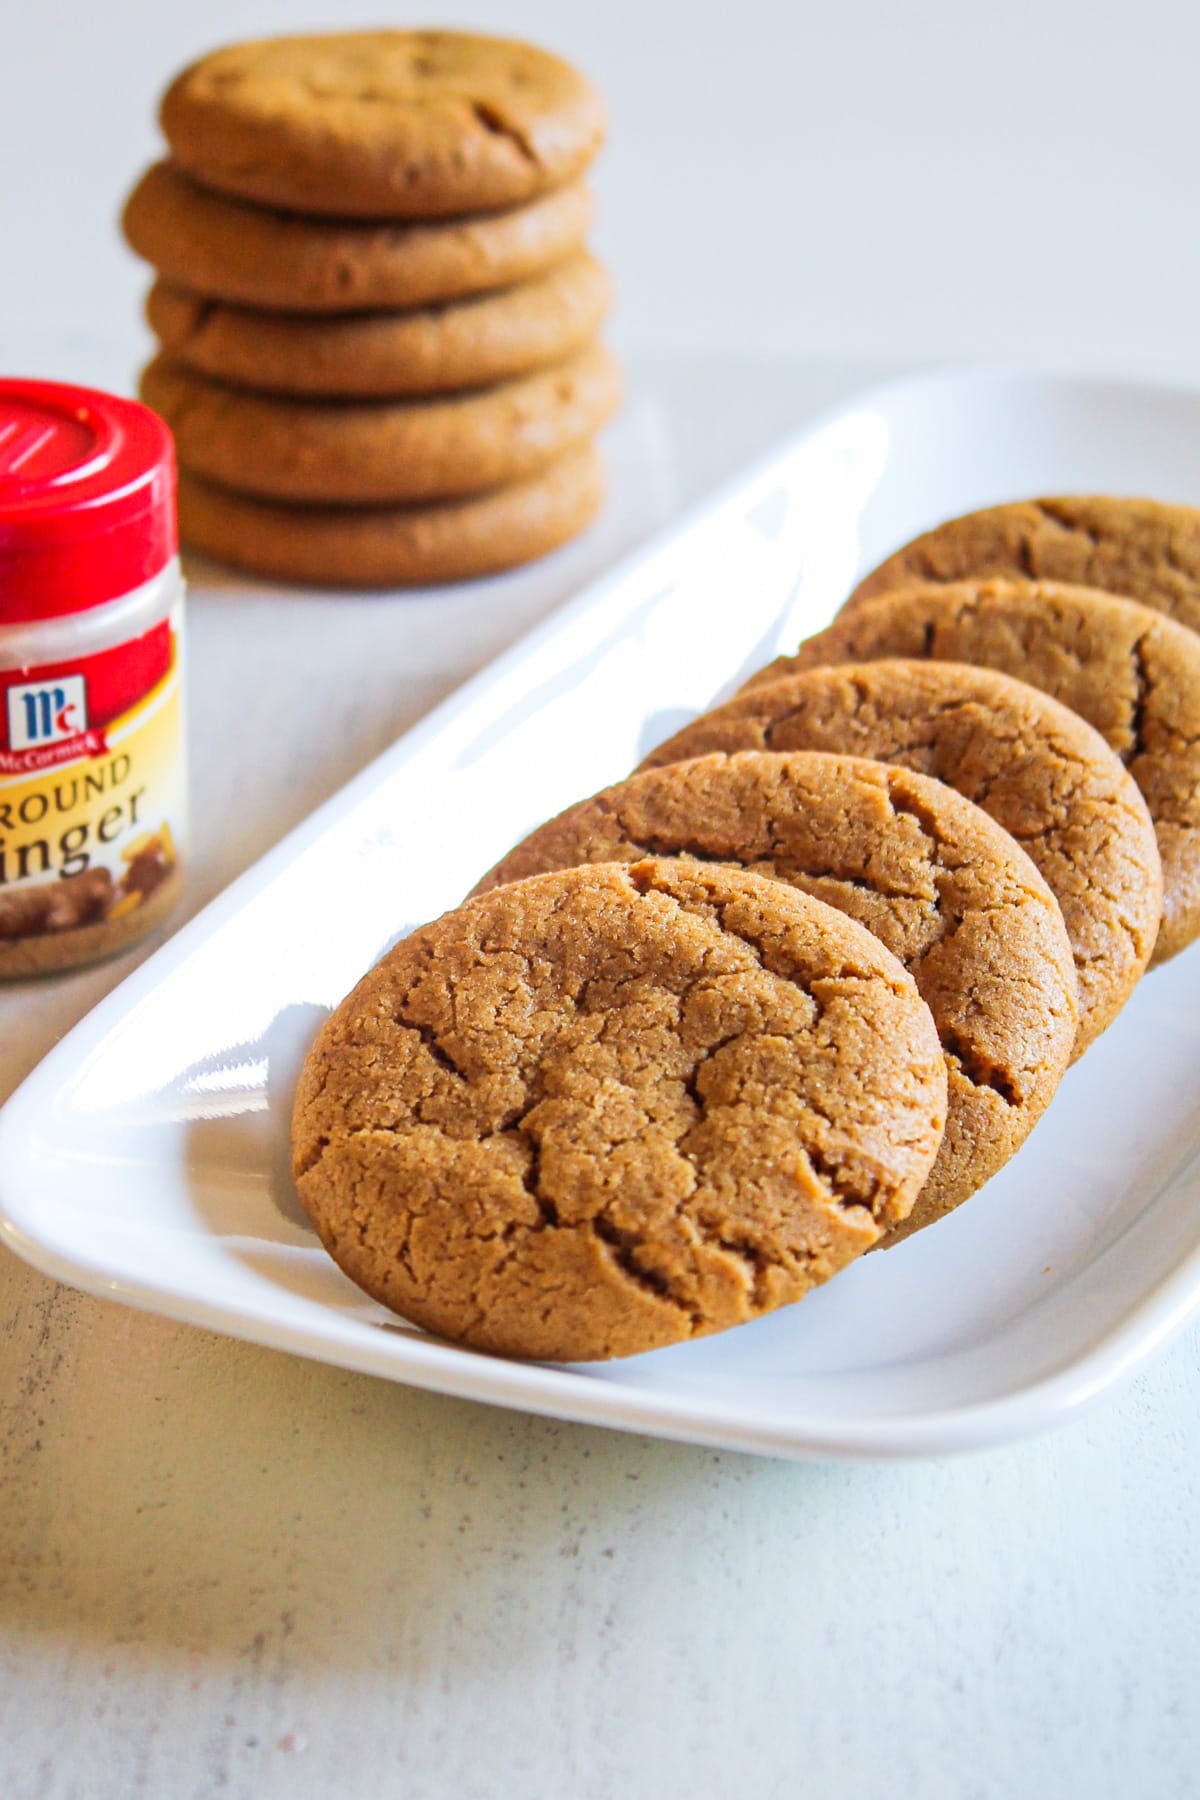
(371,454)
(383,124)
(395,546)
(1035,766)
(1128,671)
(1143,549)
(945,888)
(227,250)
(386,355)
(613,1108)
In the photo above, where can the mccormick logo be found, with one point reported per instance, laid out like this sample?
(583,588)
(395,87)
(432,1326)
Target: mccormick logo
(47,714)
(47,724)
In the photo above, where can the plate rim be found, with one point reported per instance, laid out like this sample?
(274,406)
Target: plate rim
(545,1388)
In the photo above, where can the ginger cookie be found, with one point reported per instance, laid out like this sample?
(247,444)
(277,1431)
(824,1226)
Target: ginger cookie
(383,124)
(375,452)
(1040,770)
(1143,549)
(1129,671)
(618,1107)
(940,883)
(380,356)
(225,249)
(396,546)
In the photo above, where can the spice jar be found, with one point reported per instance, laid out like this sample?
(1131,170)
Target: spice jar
(92,753)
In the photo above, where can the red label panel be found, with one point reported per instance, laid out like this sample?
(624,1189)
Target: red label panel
(115,679)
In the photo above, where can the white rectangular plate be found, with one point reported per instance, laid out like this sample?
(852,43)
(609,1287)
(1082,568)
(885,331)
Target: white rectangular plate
(147,1158)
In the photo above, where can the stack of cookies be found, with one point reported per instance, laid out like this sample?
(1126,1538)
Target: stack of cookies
(799,986)
(376,313)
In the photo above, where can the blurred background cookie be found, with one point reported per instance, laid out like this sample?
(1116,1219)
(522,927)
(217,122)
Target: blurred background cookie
(373,291)
(224,249)
(396,546)
(385,355)
(383,124)
(433,448)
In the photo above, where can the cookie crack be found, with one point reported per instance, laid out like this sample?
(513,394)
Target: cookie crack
(652,844)
(834,1178)
(655,845)
(979,1069)
(494,122)
(757,1263)
(1139,700)
(308,1163)
(1070,527)
(643,880)
(433,1045)
(841,879)
(926,823)
(531,1178)
(624,1246)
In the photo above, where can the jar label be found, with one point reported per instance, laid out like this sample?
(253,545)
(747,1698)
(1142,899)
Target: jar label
(92,790)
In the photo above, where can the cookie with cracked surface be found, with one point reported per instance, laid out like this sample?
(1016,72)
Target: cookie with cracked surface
(939,882)
(614,1108)
(383,124)
(229,250)
(1144,549)
(386,355)
(373,453)
(1038,768)
(1129,671)
(395,546)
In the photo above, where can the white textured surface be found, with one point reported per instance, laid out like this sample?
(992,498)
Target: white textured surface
(225,1572)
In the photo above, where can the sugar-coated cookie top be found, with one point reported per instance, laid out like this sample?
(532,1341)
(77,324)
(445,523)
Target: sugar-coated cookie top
(941,884)
(1147,550)
(1128,670)
(1038,768)
(613,1108)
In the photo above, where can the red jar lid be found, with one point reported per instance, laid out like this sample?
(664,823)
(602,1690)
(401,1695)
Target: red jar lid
(87,498)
